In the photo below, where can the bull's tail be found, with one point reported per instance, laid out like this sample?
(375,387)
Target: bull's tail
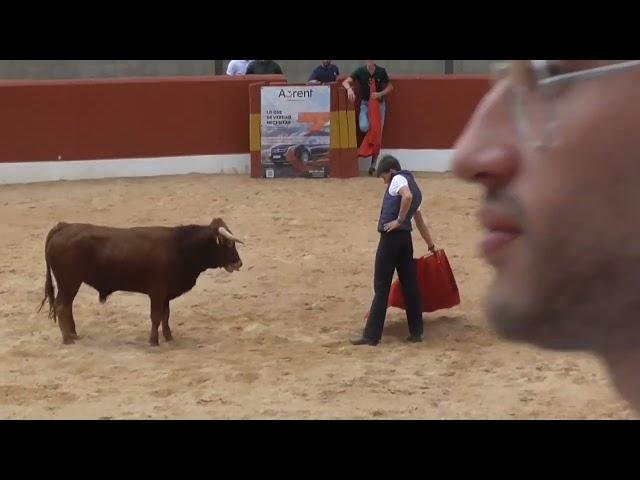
(49,292)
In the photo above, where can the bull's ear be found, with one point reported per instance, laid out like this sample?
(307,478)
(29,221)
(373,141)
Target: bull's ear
(216,223)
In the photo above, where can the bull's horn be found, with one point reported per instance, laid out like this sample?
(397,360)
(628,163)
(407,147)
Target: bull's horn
(227,234)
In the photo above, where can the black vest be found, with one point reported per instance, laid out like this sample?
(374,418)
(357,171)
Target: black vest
(391,205)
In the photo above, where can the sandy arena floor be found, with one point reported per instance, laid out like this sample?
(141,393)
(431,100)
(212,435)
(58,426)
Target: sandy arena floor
(271,340)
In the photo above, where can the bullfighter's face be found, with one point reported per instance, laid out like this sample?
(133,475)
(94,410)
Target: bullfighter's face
(386,176)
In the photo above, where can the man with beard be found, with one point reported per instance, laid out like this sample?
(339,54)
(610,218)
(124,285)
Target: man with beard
(555,146)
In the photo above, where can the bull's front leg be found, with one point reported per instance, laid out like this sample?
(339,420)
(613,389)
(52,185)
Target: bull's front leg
(159,309)
(166,331)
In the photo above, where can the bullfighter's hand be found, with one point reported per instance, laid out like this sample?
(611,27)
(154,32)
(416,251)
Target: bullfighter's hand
(391,226)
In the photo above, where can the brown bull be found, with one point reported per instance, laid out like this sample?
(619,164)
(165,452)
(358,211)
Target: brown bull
(161,262)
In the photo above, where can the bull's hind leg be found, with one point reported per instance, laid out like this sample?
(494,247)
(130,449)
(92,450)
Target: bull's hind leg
(72,321)
(64,306)
(159,314)
(72,324)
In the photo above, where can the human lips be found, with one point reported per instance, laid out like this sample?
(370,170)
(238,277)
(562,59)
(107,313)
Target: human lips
(501,230)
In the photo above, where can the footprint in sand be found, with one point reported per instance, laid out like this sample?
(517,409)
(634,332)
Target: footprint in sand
(243,377)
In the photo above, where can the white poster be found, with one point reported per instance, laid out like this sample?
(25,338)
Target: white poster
(295,130)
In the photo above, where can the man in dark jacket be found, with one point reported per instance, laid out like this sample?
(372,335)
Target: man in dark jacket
(326,72)
(264,67)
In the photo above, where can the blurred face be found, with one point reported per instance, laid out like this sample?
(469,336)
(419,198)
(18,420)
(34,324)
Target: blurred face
(326,63)
(386,177)
(370,63)
(561,221)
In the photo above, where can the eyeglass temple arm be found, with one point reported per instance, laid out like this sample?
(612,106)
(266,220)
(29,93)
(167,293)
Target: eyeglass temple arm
(591,73)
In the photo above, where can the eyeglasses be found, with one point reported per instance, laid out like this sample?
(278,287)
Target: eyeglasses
(534,84)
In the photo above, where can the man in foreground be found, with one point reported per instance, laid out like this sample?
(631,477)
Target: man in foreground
(555,146)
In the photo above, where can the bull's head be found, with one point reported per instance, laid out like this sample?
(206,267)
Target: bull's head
(225,252)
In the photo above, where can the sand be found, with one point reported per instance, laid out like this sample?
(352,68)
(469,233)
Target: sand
(270,341)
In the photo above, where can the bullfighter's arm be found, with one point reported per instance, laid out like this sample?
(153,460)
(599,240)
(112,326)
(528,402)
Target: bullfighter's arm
(424,230)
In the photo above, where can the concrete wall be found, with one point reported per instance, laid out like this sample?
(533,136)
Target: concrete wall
(296,70)
(481,67)
(62,69)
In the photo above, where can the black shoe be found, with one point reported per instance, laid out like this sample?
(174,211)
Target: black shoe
(372,170)
(363,341)
(414,339)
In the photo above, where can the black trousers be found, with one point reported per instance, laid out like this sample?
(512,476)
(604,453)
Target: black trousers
(395,252)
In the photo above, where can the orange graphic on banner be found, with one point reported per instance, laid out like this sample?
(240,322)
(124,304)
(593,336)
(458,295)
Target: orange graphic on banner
(316,119)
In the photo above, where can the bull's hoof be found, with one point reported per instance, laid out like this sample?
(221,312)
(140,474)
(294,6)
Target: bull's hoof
(74,336)
(168,337)
(154,343)
(68,341)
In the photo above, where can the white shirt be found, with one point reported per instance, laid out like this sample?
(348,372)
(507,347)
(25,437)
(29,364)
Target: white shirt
(238,67)
(397,182)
